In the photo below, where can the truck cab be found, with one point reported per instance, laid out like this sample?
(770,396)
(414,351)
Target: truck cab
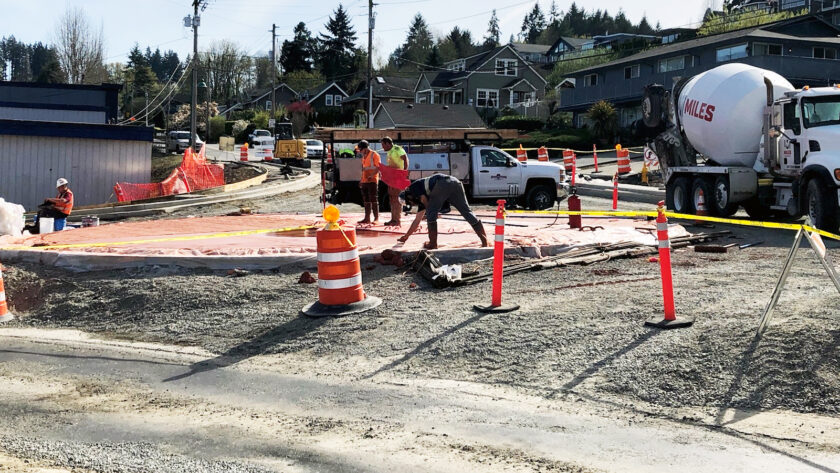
(487,172)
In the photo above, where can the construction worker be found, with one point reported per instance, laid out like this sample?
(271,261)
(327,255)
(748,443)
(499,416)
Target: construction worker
(57,208)
(433,193)
(396,158)
(369,184)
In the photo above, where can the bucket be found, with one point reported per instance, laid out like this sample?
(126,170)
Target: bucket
(58,224)
(45,225)
(90,221)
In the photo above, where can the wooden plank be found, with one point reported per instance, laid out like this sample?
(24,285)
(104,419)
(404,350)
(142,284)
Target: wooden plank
(343,135)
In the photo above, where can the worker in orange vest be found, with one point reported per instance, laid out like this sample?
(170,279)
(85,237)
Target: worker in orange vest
(59,207)
(369,184)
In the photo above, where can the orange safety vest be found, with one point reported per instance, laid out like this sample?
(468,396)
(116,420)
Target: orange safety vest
(370,159)
(65,202)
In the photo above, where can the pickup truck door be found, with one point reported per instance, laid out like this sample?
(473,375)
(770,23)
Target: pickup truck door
(497,174)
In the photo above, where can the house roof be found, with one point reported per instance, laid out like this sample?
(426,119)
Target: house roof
(762,31)
(257,95)
(446,79)
(424,115)
(531,48)
(390,87)
(318,91)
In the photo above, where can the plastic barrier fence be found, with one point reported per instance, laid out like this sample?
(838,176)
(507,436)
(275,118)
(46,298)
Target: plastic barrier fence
(194,174)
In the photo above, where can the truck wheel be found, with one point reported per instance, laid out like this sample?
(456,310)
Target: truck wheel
(756,210)
(677,196)
(701,184)
(720,198)
(540,197)
(822,206)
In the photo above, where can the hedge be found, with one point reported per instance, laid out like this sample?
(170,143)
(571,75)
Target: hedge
(519,122)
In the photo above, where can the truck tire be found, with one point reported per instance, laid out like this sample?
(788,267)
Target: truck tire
(821,205)
(540,197)
(720,198)
(702,184)
(677,196)
(756,210)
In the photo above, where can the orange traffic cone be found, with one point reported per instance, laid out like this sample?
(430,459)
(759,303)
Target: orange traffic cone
(243,153)
(5,315)
(542,154)
(340,289)
(701,205)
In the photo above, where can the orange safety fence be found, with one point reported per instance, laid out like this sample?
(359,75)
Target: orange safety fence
(194,174)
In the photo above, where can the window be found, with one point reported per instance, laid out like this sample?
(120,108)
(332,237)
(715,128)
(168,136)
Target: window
(631,72)
(268,104)
(457,66)
(487,98)
(337,100)
(673,64)
(791,113)
(590,80)
(506,67)
(490,158)
(520,97)
(732,52)
(764,49)
(821,111)
(825,53)
(328,99)
(670,38)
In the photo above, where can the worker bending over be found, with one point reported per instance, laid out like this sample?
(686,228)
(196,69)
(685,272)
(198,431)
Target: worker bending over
(430,195)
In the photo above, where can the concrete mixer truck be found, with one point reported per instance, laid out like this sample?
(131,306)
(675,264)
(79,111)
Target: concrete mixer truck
(744,136)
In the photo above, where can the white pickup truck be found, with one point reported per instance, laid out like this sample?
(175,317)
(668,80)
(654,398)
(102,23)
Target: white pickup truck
(487,172)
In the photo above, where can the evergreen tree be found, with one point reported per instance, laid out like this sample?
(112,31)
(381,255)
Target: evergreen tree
(418,44)
(493,32)
(553,13)
(533,24)
(51,73)
(337,47)
(434,60)
(644,27)
(298,54)
(171,66)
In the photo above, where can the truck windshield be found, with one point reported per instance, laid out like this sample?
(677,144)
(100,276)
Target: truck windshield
(821,111)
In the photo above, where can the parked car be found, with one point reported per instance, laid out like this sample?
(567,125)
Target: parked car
(178,141)
(261,138)
(314,148)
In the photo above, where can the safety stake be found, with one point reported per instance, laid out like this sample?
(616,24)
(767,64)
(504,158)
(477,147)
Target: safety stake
(615,191)
(498,265)
(671,320)
(595,157)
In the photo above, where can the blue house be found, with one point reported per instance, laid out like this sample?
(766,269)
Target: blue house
(804,50)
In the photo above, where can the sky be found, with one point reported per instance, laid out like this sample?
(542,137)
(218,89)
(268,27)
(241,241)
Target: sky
(159,23)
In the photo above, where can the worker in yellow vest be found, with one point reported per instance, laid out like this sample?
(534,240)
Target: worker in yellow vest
(399,160)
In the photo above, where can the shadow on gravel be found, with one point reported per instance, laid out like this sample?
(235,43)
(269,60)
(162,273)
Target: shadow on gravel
(605,361)
(431,341)
(295,328)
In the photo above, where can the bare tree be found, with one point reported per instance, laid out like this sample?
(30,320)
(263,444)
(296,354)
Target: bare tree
(227,69)
(80,48)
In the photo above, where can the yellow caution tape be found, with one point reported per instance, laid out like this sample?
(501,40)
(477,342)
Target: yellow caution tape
(576,151)
(674,215)
(159,240)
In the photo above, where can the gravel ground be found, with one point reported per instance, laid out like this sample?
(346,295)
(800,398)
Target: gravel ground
(579,329)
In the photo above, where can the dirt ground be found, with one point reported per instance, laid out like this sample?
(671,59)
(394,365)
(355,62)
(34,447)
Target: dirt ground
(578,338)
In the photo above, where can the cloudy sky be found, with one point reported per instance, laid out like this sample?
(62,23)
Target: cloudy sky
(159,23)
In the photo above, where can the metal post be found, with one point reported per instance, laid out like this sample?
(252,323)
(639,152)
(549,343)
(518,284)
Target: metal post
(273,75)
(194,75)
(207,101)
(370,63)
(768,311)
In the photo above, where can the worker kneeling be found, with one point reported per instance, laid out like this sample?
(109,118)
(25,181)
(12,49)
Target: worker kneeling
(58,208)
(430,195)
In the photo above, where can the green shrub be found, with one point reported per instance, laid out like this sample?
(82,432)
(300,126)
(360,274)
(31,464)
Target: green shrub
(217,127)
(260,120)
(520,122)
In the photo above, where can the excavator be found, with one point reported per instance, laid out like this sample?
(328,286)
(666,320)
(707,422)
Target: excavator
(288,148)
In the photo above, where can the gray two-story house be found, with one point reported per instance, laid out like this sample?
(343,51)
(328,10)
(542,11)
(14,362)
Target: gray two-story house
(804,50)
(489,80)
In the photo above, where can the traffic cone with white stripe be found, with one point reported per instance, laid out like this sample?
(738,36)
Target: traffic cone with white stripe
(670,320)
(701,204)
(498,266)
(5,315)
(340,289)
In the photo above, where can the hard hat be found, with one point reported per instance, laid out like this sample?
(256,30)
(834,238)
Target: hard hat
(60,182)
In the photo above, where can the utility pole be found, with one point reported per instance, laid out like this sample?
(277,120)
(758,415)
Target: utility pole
(196,20)
(273,76)
(371,22)
(146,93)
